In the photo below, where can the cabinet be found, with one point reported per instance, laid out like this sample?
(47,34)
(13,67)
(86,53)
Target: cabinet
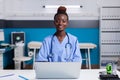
(109,34)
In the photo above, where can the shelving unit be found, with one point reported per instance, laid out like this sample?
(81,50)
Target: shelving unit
(109,35)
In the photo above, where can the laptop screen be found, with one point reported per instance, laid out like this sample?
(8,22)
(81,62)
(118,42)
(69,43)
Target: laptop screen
(57,70)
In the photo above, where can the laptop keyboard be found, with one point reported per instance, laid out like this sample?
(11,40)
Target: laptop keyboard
(109,77)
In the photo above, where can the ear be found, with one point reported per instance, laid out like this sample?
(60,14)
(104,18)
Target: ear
(68,22)
(54,22)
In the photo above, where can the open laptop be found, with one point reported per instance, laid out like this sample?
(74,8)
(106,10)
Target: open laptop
(57,70)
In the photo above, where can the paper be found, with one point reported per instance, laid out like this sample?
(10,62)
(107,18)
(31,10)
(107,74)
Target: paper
(12,77)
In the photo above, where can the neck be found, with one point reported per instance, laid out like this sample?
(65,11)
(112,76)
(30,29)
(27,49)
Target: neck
(60,35)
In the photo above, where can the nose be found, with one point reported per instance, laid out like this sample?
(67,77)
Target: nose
(60,22)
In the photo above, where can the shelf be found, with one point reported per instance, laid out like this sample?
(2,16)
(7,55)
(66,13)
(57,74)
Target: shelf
(110,55)
(109,35)
(110,18)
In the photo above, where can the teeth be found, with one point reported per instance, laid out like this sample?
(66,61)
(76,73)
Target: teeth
(60,26)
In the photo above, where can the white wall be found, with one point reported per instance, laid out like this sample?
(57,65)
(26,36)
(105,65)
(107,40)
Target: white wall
(1,9)
(109,2)
(33,9)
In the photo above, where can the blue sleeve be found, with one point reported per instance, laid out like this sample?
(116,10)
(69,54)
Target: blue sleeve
(77,54)
(42,55)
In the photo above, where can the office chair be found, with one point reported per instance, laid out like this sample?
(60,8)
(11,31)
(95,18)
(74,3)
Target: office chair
(33,48)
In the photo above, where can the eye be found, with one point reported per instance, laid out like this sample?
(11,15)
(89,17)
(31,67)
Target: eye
(56,21)
(64,21)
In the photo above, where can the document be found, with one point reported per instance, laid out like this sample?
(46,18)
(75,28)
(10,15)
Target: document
(12,77)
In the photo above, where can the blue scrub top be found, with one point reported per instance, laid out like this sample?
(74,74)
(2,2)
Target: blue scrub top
(58,52)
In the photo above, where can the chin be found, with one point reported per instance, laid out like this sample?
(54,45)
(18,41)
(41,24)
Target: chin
(60,30)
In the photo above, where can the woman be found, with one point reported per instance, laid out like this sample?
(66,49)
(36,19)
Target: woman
(61,46)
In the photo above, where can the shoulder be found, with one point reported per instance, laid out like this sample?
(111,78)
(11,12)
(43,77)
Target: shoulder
(48,39)
(72,36)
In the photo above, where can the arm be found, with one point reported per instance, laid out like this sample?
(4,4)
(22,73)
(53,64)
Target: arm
(42,54)
(77,54)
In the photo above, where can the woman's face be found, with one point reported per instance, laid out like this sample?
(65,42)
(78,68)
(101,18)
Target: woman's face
(61,22)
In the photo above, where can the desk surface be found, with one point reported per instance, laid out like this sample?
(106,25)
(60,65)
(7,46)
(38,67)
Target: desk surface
(87,45)
(85,74)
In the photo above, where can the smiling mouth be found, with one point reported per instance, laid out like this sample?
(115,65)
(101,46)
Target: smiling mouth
(60,26)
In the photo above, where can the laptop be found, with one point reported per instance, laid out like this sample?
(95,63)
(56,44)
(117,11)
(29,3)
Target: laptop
(57,70)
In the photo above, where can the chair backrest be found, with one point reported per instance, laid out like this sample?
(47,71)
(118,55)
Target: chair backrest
(33,46)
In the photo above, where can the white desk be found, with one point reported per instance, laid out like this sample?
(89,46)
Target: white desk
(3,51)
(1,58)
(87,46)
(85,74)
